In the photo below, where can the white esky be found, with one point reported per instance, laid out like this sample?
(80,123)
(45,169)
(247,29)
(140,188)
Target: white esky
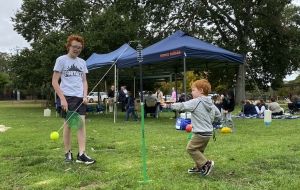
(11,41)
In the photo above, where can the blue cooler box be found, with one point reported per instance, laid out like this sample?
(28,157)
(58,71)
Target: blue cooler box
(181,123)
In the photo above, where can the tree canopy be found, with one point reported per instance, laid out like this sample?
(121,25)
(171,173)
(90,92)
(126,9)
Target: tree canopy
(268,32)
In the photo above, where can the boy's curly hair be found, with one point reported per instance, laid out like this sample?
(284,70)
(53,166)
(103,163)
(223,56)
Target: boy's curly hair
(202,84)
(74,37)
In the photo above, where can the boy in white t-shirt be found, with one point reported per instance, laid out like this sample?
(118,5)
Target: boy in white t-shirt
(72,92)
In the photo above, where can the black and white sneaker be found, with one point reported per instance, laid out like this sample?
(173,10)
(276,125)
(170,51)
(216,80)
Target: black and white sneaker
(208,166)
(194,170)
(68,157)
(84,159)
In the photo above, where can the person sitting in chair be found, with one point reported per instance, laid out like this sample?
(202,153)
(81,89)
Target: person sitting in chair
(151,103)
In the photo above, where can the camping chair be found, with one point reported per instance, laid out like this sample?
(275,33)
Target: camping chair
(90,108)
(153,110)
(99,108)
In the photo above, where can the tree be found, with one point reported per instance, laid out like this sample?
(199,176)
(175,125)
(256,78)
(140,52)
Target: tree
(38,18)
(105,25)
(270,36)
(4,62)
(4,79)
(5,71)
(266,36)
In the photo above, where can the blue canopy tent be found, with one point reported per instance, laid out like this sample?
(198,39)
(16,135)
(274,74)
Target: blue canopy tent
(180,45)
(177,46)
(161,55)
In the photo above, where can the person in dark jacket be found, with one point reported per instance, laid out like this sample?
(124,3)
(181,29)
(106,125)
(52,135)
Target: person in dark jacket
(227,105)
(249,109)
(130,107)
(111,96)
(122,98)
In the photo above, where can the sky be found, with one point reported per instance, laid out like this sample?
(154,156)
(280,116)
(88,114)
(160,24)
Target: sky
(11,41)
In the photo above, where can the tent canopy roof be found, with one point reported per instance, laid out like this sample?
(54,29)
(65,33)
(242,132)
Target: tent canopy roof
(179,45)
(99,60)
(169,51)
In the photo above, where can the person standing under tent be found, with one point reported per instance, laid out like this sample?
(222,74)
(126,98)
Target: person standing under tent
(160,99)
(122,98)
(72,91)
(203,113)
(111,96)
(159,95)
(174,99)
(174,95)
(125,91)
(130,107)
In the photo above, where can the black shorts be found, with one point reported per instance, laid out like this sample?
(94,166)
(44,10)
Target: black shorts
(73,103)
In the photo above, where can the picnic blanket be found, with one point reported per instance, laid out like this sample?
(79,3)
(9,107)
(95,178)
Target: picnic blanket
(285,116)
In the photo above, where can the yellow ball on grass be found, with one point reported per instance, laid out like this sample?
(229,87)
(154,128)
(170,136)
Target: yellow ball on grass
(226,130)
(54,135)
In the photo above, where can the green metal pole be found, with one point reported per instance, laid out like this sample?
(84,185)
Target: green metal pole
(144,151)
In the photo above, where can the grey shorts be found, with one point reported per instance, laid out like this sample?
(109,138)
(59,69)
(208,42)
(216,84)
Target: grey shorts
(73,103)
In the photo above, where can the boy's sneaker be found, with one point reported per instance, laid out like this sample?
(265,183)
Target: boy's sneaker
(68,157)
(84,159)
(194,170)
(208,166)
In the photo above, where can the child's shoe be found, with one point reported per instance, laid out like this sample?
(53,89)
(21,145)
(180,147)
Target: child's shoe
(208,166)
(194,170)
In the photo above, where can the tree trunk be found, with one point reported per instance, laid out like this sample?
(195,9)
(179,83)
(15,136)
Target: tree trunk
(240,85)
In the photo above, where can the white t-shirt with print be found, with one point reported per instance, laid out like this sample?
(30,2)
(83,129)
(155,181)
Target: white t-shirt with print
(71,71)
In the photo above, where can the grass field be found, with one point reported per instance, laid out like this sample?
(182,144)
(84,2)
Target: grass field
(254,157)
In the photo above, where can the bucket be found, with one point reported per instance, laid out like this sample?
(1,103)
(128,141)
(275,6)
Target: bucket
(181,123)
(186,115)
(47,112)
(267,117)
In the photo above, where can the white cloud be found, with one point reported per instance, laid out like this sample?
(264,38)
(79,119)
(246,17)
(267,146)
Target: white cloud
(293,76)
(296,2)
(10,40)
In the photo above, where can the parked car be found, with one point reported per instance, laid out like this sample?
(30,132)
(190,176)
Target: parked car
(212,94)
(93,97)
(167,97)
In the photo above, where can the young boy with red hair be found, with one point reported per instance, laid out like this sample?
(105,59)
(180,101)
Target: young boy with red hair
(203,112)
